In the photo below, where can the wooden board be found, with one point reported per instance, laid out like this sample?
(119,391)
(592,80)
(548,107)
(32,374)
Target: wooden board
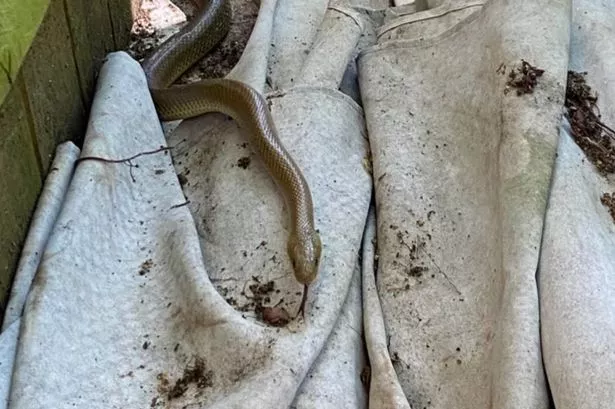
(19,185)
(52,83)
(50,54)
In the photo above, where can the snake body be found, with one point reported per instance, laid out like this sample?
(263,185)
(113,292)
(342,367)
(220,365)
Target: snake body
(248,108)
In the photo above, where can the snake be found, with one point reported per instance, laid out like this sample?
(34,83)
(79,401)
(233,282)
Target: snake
(248,108)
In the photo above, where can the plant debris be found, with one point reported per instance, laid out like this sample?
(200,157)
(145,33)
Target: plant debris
(608,200)
(524,78)
(589,132)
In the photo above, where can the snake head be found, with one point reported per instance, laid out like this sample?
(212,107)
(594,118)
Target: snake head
(304,251)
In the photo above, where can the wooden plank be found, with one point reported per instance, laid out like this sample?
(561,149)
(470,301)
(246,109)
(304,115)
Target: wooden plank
(19,185)
(121,18)
(52,84)
(92,38)
(45,101)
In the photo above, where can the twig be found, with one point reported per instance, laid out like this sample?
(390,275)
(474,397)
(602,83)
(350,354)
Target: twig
(219,280)
(125,160)
(597,145)
(611,132)
(98,158)
(421,246)
(407,246)
(443,273)
(180,205)
(301,310)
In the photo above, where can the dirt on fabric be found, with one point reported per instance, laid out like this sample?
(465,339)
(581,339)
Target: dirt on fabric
(196,376)
(524,78)
(608,200)
(220,60)
(589,132)
(155,22)
(261,294)
(594,137)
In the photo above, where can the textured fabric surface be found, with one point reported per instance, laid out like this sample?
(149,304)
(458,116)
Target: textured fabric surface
(467,259)
(463,169)
(136,287)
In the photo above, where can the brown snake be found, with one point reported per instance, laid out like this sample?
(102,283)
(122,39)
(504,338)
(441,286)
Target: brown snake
(246,106)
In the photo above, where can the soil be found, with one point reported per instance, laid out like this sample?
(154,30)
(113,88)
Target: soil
(145,267)
(594,137)
(243,162)
(261,294)
(220,60)
(225,55)
(196,374)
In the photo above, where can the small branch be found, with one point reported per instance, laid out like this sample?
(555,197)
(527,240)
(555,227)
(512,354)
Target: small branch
(595,144)
(100,159)
(222,280)
(611,132)
(443,274)
(126,160)
(180,205)
(421,247)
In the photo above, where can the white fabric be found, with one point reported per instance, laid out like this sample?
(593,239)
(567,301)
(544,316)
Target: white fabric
(577,267)
(577,288)
(462,172)
(481,272)
(8,346)
(123,297)
(385,390)
(225,200)
(47,210)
